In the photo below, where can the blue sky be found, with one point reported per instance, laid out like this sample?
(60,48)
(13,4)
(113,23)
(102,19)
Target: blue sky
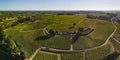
(59,4)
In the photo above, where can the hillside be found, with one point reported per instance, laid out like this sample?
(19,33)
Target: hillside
(34,36)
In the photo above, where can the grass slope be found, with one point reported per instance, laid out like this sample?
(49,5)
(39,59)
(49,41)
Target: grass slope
(45,56)
(98,54)
(25,34)
(72,56)
(102,31)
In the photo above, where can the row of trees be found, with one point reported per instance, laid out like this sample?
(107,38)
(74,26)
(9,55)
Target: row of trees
(19,20)
(81,32)
(99,17)
(9,46)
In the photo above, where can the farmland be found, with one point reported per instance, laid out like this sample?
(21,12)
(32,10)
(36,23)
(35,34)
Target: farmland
(52,36)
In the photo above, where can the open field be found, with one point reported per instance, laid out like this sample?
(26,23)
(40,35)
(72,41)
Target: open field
(117,34)
(97,37)
(38,36)
(98,54)
(25,34)
(46,56)
(72,56)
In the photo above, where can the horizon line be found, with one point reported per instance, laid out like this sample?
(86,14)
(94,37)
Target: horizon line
(59,10)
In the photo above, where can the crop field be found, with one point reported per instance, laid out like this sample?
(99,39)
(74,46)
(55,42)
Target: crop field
(97,37)
(117,34)
(34,32)
(23,33)
(72,56)
(98,54)
(116,45)
(20,34)
(46,56)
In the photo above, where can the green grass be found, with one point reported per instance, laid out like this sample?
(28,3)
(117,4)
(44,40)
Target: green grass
(98,54)
(66,22)
(116,45)
(34,26)
(24,35)
(117,33)
(45,56)
(59,42)
(29,44)
(101,32)
(72,56)
(25,39)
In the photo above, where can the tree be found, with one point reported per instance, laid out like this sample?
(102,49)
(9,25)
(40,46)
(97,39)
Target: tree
(118,21)
(80,29)
(51,31)
(1,34)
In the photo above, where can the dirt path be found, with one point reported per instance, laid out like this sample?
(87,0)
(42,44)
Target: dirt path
(112,48)
(84,58)
(115,40)
(38,50)
(71,47)
(45,30)
(34,54)
(59,57)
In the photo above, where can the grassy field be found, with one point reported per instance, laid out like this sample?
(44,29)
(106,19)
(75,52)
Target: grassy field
(26,33)
(72,56)
(98,54)
(117,34)
(45,56)
(26,37)
(97,37)
(116,45)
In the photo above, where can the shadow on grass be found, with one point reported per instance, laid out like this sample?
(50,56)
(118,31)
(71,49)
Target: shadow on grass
(44,37)
(113,56)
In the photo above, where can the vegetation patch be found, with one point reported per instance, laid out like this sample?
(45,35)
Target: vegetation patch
(45,56)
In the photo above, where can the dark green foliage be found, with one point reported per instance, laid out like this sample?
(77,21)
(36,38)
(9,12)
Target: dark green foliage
(9,46)
(118,21)
(3,56)
(100,16)
(52,32)
(113,56)
(1,34)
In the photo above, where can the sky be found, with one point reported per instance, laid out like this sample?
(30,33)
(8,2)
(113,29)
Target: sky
(59,4)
